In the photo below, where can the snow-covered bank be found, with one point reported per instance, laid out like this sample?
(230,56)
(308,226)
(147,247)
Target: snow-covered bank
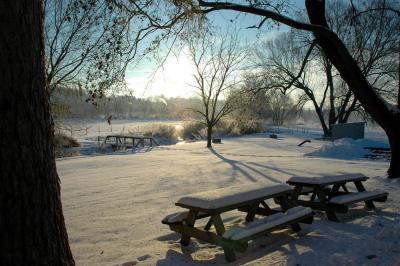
(347,148)
(113,205)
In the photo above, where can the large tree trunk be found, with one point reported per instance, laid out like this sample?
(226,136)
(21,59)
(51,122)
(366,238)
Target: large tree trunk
(394,140)
(332,111)
(325,129)
(32,225)
(320,114)
(387,117)
(209,136)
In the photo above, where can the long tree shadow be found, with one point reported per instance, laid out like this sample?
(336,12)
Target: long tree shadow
(274,169)
(238,166)
(282,242)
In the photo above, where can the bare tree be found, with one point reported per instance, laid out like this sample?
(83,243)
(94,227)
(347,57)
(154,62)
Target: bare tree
(89,44)
(216,64)
(253,103)
(281,106)
(372,44)
(284,66)
(84,43)
(248,106)
(386,114)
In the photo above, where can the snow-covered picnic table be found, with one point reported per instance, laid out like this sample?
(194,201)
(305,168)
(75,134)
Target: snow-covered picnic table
(330,193)
(229,197)
(250,198)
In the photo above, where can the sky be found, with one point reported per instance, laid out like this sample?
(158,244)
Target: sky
(173,79)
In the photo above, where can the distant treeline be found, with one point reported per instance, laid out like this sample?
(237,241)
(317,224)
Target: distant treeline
(72,103)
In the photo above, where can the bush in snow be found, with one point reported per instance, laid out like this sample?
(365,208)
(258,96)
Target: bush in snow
(164,134)
(226,128)
(63,141)
(196,130)
(250,127)
(192,130)
(238,128)
(62,145)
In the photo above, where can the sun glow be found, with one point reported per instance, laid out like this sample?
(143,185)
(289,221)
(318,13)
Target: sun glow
(172,79)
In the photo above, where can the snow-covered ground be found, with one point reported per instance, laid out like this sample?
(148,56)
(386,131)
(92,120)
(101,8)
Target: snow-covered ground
(113,204)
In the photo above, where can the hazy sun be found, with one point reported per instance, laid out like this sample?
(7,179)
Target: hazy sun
(170,80)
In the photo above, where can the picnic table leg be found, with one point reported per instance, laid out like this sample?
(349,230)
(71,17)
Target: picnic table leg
(190,220)
(295,195)
(220,228)
(208,225)
(265,205)
(360,187)
(335,190)
(283,202)
(295,227)
(252,212)
(285,205)
(330,213)
(291,200)
(313,196)
(296,192)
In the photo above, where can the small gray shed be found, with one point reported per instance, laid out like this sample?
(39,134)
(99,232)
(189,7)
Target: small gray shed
(348,130)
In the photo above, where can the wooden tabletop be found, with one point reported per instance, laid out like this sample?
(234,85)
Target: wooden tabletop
(230,198)
(325,180)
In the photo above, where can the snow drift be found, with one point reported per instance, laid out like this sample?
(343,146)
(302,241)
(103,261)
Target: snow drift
(347,148)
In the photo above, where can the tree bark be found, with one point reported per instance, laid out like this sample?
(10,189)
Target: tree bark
(32,225)
(209,136)
(320,114)
(393,135)
(332,112)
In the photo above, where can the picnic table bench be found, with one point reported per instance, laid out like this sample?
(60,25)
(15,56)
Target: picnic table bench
(248,198)
(330,193)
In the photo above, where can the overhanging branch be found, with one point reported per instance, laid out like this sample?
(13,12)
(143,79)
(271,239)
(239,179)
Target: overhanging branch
(262,12)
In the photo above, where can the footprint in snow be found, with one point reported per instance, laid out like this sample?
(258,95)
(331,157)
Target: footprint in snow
(144,257)
(129,263)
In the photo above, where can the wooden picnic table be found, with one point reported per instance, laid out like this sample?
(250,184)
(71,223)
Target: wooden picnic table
(248,198)
(330,193)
